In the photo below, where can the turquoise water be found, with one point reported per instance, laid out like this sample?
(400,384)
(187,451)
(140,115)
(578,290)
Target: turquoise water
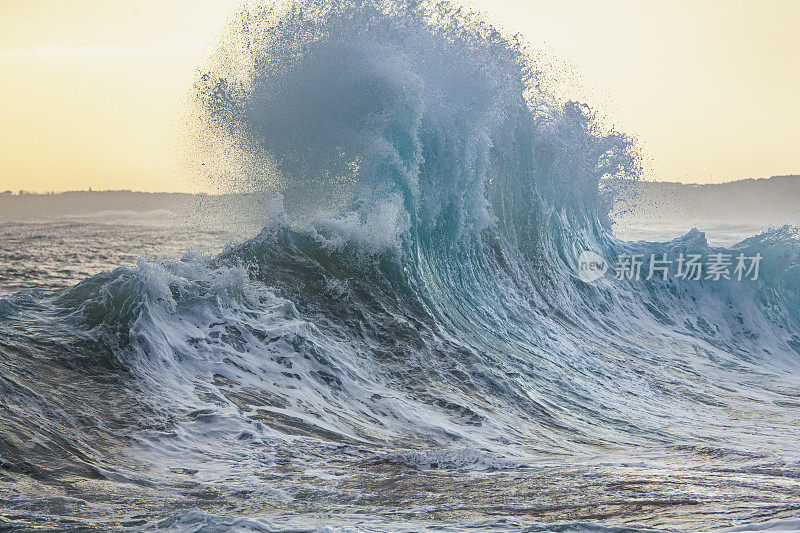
(413,352)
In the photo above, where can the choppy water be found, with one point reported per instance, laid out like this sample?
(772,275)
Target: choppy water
(420,357)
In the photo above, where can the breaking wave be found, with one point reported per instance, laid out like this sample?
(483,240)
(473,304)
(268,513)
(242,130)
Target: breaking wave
(417,293)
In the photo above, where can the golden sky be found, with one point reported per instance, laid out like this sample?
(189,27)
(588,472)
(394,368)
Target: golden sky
(90,90)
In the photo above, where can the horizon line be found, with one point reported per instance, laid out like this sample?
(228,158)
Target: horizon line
(24,192)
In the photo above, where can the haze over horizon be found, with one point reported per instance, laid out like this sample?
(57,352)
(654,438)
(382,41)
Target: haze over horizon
(221,191)
(92,91)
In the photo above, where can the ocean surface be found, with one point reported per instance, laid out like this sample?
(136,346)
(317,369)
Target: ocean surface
(414,351)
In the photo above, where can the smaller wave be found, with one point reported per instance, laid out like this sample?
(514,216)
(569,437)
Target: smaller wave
(784,524)
(197,521)
(463,459)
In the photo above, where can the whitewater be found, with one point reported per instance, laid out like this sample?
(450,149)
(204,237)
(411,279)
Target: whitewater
(406,345)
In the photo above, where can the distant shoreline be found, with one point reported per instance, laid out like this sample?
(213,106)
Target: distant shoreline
(766,200)
(20,193)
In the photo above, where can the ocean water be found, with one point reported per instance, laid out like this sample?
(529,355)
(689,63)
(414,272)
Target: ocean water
(420,356)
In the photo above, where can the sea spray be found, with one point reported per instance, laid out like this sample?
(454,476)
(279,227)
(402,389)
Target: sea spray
(429,312)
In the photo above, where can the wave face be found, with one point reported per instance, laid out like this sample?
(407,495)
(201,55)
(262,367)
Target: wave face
(415,307)
(471,191)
